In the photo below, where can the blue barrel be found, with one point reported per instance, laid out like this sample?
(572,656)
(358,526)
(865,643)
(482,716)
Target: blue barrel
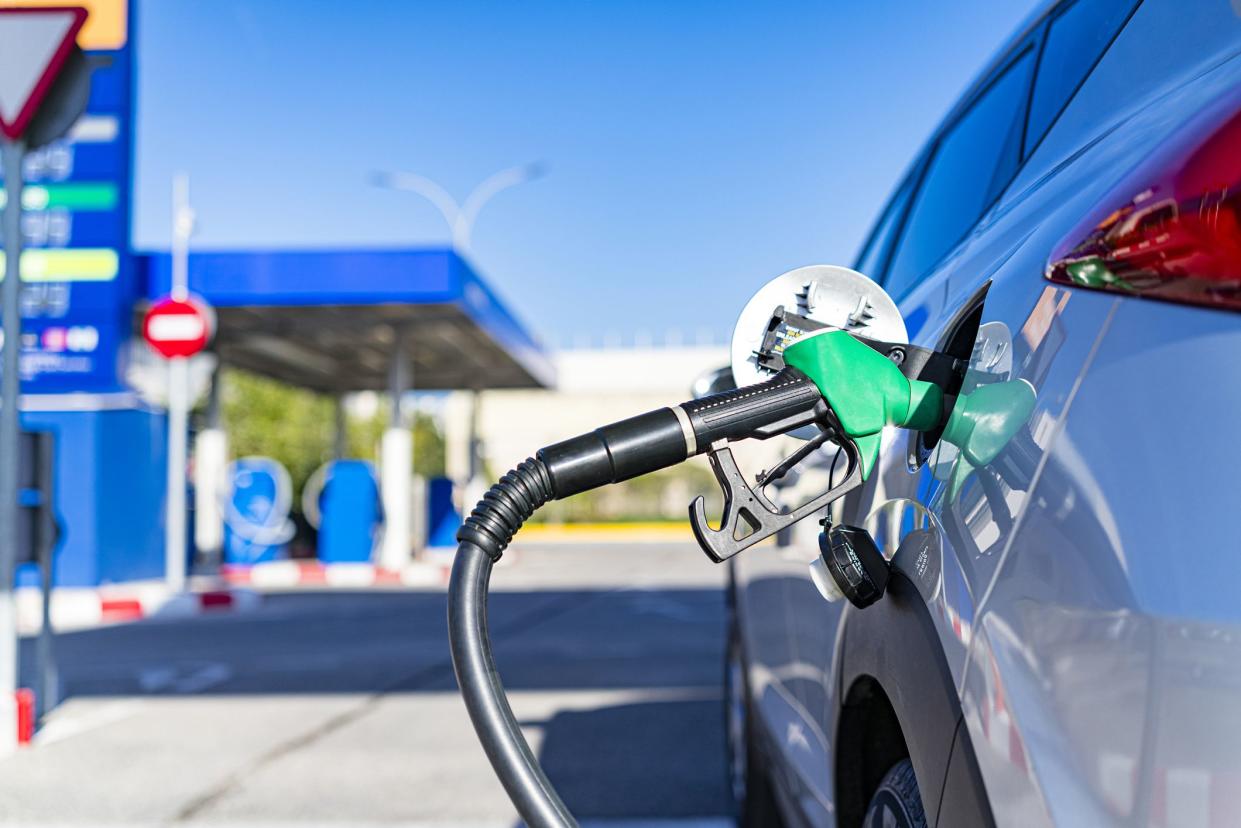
(443,520)
(350,514)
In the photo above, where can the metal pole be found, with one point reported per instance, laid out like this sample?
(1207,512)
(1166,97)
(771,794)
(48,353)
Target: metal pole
(47,693)
(340,443)
(178,395)
(13,155)
(182,227)
(475,483)
(213,412)
(398,380)
(178,421)
(475,466)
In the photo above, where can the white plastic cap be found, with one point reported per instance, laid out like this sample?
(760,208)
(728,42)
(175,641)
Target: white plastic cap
(824,581)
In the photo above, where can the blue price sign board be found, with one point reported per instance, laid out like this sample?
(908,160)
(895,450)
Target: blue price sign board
(78,280)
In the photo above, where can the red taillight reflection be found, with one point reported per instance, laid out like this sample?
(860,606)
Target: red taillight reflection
(1176,235)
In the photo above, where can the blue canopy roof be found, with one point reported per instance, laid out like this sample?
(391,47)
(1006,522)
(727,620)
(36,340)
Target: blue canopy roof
(330,319)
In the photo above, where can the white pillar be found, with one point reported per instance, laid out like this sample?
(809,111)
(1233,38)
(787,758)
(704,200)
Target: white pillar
(395,480)
(210,485)
(210,468)
(396,467)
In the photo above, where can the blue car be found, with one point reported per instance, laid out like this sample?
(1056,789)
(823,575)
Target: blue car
(1060,643)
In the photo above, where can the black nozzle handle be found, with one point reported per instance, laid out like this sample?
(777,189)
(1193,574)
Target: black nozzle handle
(746,412)
(667,436)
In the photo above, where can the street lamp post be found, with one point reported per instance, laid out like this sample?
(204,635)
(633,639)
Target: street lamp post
(460,217)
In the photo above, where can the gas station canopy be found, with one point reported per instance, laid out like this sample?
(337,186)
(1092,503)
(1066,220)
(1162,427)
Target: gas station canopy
(331,320)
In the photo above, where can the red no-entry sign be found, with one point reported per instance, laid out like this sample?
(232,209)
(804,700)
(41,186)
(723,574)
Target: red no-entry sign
(178,327)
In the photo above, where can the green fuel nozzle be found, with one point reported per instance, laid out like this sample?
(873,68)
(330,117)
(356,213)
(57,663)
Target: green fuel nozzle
(865,389)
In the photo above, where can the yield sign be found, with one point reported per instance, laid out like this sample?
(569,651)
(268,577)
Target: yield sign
(34,43)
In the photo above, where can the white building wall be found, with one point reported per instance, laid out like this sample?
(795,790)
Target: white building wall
(594,387)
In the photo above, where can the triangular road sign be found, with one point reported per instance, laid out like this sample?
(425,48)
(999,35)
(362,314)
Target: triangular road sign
(34,43)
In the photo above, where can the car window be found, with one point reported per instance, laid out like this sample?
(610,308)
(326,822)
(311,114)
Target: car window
(973,161)
(873,256)
(1076,38)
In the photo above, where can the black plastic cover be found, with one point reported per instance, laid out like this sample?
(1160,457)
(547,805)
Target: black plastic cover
(855,563)
(615,452)
(744,412)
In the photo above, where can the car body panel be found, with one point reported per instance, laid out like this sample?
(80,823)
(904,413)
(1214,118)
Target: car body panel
(1115,624)
(1080,583)
(773,668)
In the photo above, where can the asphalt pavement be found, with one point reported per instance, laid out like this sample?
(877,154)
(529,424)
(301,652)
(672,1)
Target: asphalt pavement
(341,708)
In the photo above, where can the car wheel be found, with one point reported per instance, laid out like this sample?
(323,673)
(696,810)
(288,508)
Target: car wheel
(897,803)
(749,784)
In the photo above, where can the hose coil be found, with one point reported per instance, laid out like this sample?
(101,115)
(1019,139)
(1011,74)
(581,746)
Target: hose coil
(506,506)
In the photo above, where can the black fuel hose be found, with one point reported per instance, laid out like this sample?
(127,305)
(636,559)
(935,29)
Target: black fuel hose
(514,763)
(609,454)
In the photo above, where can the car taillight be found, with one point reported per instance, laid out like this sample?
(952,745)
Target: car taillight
(1174,231)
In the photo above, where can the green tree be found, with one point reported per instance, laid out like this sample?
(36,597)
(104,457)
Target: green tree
(365,436)
(297,428)
(273,419)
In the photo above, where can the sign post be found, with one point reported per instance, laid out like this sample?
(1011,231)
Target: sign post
(177,327)
(40,536)
(13,152)
(35,44)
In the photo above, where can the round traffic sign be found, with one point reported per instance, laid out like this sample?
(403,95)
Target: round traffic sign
(178,327)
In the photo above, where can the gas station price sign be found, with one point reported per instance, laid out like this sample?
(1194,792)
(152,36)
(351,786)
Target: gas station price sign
(78,281)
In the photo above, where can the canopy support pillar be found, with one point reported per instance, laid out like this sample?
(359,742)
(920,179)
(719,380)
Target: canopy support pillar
(396,463)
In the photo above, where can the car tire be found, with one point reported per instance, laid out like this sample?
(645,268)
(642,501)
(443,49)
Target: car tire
(897,802)
(753,797)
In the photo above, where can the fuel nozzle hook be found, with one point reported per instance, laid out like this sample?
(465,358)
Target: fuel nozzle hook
(749,516)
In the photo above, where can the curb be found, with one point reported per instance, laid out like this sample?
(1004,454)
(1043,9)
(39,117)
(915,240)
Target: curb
(279,575)
(79,608)
(637,532)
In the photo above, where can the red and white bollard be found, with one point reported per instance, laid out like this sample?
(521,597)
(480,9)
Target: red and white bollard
(24,700)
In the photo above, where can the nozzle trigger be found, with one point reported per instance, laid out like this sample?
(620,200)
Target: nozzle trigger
(749,516)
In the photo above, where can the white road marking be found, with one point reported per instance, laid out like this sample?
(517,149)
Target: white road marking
(649,602)
(154,679)
(178,680)
(208,676)
(64,724)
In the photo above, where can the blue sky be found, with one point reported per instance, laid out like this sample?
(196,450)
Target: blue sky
(694,150)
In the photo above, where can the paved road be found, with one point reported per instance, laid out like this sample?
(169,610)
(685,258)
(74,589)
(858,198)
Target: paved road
(341,707)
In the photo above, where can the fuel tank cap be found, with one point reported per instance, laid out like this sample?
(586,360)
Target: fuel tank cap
(805,299)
